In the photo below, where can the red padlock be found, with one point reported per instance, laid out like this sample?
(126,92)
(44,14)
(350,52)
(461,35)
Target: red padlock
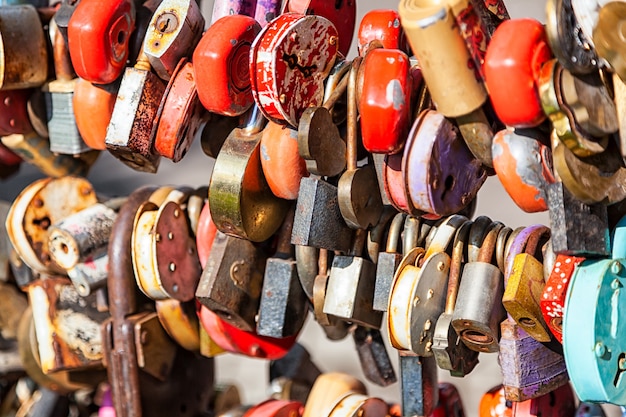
(282,164)
(14,113)
(234,340)
(450,404)
(493,404)
(93,107)
(512,65)
(555,292)
(524,166)
(341,13)
(276,408)
(382,25)
(180,114)
(385,100)
(289,61)
(558,403)
(98,35)
(221,65)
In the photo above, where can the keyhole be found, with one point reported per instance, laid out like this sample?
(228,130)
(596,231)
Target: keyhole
(621,367)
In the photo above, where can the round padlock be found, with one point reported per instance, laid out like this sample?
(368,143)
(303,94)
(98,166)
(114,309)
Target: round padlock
(512,65)
(221,65)
(382,25)
(93,107)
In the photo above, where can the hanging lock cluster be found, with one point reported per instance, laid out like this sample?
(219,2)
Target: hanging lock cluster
(342,186)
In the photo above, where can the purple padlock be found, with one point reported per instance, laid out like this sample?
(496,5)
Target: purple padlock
(542,368)
(263,11)
(441,174)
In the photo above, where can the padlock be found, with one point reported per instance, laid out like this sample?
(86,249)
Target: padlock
(590,410)
(328,389)
(555,293)
(319,140)
(68,329)
(223,8)
(165,258)
(232,280)
(436,187)
(286,81)
(593,297)
(342,15)
(275,408)
(567,39)
(373,356)
(310,229)
(180,114)
(434,33)
(385,99)
(493,403)
(358,194)
(25,63)
(449,351)
(240,199)
(334,327)
(126,351)
(93,107)
(14,117)
(350,290)
(515,156)
(283,303)
(89,275)
(215,131)
(418,382)
(478,310)
(233,339)
(548,363)
(382,25)
(221,64)
(387,264)
(40,205)
(98,39)
(174,32)
(511,73)
(36,151)
(180,322)
(81,235)
(524,287)
(450,403)
(567,111)
(282,164)
(205,234)
(607,45)
(130,135)
(571,220)
(292,376)
(266,11)
(62,129)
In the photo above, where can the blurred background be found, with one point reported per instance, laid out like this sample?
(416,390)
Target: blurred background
(111,177)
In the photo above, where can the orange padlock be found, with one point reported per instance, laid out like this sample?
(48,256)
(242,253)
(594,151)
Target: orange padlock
(180,114)
(93,107)
(382,25)
(282,164)
(98,35)
(221,65)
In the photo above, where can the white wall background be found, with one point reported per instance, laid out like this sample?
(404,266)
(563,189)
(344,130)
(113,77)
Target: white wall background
(113,178)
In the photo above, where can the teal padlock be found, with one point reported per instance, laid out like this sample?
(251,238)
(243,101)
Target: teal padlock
(594,325)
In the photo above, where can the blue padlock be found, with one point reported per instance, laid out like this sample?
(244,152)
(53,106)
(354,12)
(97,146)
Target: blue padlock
(594,325)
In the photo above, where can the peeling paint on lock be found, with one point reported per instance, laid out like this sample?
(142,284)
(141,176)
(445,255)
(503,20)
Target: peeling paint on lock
(174,31)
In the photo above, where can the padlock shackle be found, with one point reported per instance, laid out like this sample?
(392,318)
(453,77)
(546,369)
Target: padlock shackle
(488,247)
(351,134)
(527,241)
(395,229)
(456,266)
(411,234)
(63,68)
(284,246)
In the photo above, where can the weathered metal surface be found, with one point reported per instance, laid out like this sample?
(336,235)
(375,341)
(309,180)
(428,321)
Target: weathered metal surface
(67,326)
(578,229)
(441,174)
(24,59)
(373,356)
(180,114)
(81,235)
(130,135)
(174,31)
(14,115)
(90,275)
(418,381)
(232,280)
(291,58)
